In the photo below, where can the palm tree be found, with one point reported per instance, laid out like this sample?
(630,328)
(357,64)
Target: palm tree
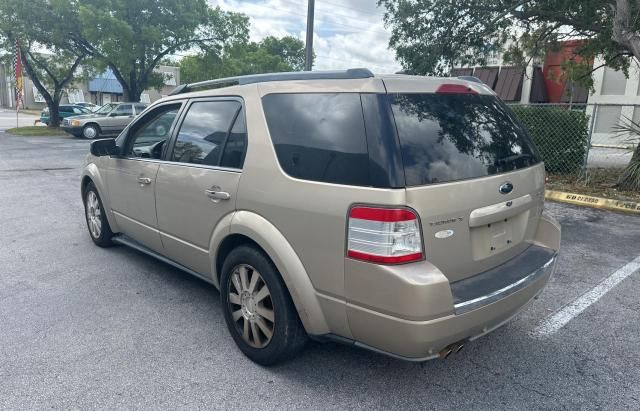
(630,131)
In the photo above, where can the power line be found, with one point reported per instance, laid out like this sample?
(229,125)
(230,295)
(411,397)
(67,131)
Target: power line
(360,29)
(332,12)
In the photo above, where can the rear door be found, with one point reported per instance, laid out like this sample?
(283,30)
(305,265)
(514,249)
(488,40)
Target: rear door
(118,119)
(197,186)
(471,173)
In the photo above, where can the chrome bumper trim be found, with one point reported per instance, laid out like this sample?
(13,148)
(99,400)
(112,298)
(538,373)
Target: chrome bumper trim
(470,305)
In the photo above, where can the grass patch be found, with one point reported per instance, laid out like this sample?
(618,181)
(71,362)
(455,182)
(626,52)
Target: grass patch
(36,131)
(598,182)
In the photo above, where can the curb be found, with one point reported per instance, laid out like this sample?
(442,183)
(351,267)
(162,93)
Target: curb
(595,202)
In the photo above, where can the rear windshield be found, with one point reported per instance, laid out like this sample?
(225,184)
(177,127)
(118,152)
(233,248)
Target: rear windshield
(449,137)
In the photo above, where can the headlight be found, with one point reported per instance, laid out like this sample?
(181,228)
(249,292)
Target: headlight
(75,123)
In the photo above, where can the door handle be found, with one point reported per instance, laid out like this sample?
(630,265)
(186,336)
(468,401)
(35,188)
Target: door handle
(144,180)
(216,194)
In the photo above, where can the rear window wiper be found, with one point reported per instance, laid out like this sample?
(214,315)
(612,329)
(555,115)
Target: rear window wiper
(513,158)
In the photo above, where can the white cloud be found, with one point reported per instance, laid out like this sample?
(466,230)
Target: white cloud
(347,33)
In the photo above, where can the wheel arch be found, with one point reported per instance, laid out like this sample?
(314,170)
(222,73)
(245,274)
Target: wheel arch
(249,228)
(91,174)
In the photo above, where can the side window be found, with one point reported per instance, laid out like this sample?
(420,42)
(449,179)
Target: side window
(203,132)
(140,108)
(319,136)
(149,135)
(234,149)
(123,110)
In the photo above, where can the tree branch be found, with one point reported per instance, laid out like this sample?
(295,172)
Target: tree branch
(44,67)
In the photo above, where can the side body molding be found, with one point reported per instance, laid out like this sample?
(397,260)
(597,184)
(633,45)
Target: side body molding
(92,171)
(286,260)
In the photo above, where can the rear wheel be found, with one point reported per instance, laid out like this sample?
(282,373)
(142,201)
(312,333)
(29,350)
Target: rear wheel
(97,222)
(90,131)
(258,309)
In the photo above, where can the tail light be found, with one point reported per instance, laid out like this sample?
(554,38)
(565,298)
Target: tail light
(455,89)
(384,235)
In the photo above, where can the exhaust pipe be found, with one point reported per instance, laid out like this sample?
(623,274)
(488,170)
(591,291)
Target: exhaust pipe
(456,347)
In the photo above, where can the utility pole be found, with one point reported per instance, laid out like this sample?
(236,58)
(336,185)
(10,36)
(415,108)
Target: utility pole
(308,55)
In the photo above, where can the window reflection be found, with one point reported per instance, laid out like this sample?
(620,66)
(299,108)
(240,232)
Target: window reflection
(203,132)
(448,137)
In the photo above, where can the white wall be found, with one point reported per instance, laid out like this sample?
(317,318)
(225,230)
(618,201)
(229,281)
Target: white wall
(612,87)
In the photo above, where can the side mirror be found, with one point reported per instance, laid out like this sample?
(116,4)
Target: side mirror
(104,147)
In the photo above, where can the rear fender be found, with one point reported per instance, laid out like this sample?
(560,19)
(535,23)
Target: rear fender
(286,260)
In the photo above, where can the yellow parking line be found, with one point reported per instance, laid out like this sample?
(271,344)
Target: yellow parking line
(595,202)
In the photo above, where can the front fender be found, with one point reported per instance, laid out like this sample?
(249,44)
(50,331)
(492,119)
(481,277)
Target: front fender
(286,260)
(93,172)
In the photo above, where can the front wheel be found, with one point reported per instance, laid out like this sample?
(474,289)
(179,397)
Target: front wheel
(258,309)
(97,222)
(90,131)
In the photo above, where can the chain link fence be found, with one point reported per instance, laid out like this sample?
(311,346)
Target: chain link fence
(579,142)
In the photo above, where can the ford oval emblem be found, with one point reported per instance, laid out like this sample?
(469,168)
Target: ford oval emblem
(444,234)
(506,188)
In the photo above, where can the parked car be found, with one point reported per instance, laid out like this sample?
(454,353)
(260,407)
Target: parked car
(64,111)
(89,106)
(109,119)
(402,214)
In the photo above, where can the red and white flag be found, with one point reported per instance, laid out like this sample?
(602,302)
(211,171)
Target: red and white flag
(17,69)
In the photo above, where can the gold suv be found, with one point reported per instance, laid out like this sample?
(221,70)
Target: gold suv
(401,214)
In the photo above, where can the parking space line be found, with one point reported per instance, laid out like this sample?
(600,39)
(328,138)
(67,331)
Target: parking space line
(558,320)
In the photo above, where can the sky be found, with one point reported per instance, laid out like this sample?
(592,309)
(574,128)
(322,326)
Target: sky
(347,33)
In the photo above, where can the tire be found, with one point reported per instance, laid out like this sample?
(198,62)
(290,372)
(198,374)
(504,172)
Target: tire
(94,214)
(248,312)
(90,131)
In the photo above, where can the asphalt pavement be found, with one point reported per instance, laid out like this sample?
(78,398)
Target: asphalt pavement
(83,327)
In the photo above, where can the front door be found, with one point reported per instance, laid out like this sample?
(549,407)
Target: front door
(197,186)
(131,179)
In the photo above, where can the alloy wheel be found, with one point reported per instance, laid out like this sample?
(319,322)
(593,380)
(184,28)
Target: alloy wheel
(251,306)
(90,132)
(94,214)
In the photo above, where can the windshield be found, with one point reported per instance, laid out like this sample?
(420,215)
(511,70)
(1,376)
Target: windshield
(449,137)
(106,108)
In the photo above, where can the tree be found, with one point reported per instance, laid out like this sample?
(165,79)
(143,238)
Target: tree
(50,60)
(431,36)
(133,37)
(291,49)
(268,56)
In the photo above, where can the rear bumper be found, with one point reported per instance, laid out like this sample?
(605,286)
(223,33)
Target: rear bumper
(459,311)
(422,340)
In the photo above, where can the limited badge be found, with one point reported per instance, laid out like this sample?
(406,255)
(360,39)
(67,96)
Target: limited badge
(444,234)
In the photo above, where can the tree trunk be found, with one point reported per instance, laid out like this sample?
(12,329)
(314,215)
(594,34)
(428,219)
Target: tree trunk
(134,93)
(54,110)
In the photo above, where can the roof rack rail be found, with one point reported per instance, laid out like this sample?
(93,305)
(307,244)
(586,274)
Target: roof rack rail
(471,78)
(355,73)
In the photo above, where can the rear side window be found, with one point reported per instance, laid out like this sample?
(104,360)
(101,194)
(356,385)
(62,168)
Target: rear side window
(449,137)
(123,110)
(234,149)
(319,136)
(204,131)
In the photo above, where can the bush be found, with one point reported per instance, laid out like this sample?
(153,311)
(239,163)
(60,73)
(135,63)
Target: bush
(560,134)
